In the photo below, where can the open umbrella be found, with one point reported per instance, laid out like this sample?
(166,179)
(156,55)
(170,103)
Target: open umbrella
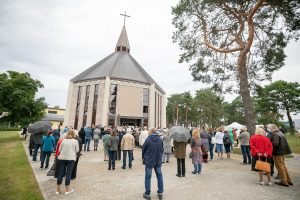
(179,134)
(40,126)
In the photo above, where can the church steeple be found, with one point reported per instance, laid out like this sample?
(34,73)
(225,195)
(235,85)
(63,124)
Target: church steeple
(123,43)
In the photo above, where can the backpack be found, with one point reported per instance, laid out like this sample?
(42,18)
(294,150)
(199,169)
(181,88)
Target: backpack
(226,139)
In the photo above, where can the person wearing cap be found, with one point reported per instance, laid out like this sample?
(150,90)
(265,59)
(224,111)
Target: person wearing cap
(127,146)
(48,145)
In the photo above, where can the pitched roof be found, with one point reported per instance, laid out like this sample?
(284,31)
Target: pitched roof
(118,65)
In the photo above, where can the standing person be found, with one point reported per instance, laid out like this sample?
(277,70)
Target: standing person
(180,153)
(152,159)
(96,137)
(196,152)
(212,142)
(219,141)
(231,136)
(31,144)
(48,145)
(244,139)
(261,149)
(167,144)
(56,135)
(120,135)
(82,135)
(67,157)
(143,136)
(38,140)
(280,148)
(105,140)
(227,143)
(204,144)
(78,154)
(113,148)
(127,146)
(88,136)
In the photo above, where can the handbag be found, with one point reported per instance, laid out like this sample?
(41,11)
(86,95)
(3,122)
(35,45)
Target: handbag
(263,165)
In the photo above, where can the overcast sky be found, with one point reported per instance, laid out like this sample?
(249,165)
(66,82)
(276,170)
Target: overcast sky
(55,40)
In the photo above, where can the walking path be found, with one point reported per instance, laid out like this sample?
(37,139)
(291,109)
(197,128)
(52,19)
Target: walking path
(220,179)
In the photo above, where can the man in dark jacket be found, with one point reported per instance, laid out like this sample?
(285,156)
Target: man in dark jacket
(280,148)
(38,141)
(152,158)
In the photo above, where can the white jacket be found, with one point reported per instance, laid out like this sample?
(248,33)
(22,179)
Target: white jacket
(143,136)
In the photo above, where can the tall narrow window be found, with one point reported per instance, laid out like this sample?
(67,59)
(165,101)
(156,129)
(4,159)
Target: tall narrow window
(113,98)
(155,117)
(77,107)
(145,100)
(96,91)
(86,105)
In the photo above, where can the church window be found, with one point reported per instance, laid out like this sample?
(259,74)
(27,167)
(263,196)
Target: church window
(113,98)
(86,105)
(145,100)
(77,107)
(96,91)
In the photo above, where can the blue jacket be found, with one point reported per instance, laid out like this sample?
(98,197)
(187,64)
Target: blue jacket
(152,151)
(48,143)
(88,133)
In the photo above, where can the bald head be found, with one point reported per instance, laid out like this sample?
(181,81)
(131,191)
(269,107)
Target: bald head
(272,127)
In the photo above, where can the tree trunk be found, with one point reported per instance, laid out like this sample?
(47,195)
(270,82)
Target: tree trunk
(245,92)
(292,128)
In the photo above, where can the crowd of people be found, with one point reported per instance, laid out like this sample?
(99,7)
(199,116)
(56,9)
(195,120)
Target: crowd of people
(268,144)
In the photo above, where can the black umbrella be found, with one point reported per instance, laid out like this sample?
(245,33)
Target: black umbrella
(179,134)
(40,126)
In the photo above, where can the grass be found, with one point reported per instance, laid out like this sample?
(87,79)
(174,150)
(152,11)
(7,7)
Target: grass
(16,177)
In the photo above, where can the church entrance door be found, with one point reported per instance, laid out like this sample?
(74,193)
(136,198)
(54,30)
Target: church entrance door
(130,122)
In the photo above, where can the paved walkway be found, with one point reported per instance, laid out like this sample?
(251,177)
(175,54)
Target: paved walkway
(219,180)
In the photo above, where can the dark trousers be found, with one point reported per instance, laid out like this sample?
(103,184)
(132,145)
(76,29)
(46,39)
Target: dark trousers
(74,171)
(119,153)
(129,152)
(211,150)
(246,154)
(30,151)
(45,155)
(36,149)
(65,169)
(181,167)
(112,159)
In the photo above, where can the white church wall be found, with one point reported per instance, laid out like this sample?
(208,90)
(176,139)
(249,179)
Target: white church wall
(100,102)
(90,104)
(105,104)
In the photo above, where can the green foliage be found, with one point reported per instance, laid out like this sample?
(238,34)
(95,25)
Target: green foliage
(234,111)
(294,143)
(9,129)
(213,33)
(278,96)
(18,105)
(16,177)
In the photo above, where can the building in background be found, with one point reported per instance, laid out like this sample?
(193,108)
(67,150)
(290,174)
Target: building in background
(116,91)
(55,115)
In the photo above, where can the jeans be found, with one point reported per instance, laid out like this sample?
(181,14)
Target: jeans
(197,168)
(166,155)
(129,157)
(36,149)
(65,169)
(246,153)
(87,143)
(148,174)
(211,150)
(219,148)
(181,166)
(112,159)
(45,154)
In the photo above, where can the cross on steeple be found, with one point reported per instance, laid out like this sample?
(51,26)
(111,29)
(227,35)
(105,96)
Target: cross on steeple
(125,17)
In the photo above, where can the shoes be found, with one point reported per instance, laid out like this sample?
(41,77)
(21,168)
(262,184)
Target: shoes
(123,167)
(282,184)
(109,168)
(178,175)
(167,161)
(41,167)
(261,182)
(290,183)
(146,196)
(160,196)
(270,183)
(57,192)
(194,172)
(113,168)
(130,167)
(69,192)
(183,175)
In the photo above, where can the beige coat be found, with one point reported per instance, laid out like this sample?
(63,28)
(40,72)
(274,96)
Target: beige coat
(180,149)
(127,142)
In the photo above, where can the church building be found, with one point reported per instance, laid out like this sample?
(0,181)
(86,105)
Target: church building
(116,91)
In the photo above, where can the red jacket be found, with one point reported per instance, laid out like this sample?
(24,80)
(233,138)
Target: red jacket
(57,148)
(260,144)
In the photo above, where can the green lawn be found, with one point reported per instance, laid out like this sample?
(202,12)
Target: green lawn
(17,180)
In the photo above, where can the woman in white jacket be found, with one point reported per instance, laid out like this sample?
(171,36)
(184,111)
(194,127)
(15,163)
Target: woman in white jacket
(219,141)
